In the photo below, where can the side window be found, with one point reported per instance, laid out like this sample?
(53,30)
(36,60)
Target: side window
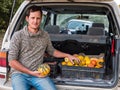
(44,19)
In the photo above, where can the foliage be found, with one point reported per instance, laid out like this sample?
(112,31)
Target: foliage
(5,11)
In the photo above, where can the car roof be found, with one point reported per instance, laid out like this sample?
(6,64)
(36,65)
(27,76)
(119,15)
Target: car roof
(70,0)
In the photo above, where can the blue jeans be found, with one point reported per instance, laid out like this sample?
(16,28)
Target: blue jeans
(22,81)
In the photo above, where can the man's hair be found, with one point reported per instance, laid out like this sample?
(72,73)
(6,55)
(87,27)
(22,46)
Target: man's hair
(33,9)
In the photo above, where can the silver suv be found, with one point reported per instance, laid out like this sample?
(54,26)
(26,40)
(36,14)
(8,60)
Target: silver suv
(78,26)
(100,41)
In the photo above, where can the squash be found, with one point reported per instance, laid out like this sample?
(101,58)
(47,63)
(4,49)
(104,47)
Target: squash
(44,69)
(100,63)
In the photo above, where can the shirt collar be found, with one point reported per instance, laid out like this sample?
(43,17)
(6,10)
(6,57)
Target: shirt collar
(39,33)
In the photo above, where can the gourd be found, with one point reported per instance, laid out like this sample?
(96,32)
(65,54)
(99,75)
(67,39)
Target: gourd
(44,69)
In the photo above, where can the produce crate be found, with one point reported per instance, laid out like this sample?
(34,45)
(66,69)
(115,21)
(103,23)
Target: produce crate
(81,72)
(54,70)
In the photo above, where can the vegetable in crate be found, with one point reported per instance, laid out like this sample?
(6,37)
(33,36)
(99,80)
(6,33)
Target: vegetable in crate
(44,69)
(85,61)
(67,61)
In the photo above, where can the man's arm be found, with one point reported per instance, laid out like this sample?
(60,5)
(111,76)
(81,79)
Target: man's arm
(60,54)
(16,65)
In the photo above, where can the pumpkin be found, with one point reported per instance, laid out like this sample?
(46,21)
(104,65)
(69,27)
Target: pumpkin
(44,69)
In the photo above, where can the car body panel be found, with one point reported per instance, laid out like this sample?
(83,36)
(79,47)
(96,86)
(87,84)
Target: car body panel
(85,84)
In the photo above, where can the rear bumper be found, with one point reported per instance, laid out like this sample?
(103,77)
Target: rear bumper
(5,88)
(66,88)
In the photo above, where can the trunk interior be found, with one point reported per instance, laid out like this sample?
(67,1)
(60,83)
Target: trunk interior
(92,46)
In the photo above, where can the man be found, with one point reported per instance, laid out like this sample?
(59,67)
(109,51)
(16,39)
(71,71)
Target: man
(26,52)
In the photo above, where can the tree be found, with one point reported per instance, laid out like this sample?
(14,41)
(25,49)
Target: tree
(5,11)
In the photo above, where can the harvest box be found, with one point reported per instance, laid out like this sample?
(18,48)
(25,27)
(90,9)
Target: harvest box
(82,72)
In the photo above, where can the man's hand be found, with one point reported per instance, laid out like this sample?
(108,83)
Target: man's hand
(60,54)
(72,58)
(18,66)
(37,74)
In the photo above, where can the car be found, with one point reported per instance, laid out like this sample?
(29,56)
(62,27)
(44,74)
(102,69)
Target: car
(78,26)
(99,44)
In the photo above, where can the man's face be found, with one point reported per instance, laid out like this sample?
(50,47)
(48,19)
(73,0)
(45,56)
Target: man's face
(34,19)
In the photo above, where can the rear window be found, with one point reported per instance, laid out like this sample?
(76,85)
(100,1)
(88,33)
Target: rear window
(69,21)
(79,23)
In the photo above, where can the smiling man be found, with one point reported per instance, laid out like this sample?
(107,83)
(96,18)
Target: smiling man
(26,52)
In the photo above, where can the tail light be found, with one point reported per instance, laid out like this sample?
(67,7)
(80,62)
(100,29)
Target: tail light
(2,76)
(3,59)
(113,47)
(3,64)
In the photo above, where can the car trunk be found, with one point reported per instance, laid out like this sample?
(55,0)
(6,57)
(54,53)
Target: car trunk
(86,45)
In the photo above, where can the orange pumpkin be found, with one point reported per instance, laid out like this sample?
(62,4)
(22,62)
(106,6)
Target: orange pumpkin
(44,69)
